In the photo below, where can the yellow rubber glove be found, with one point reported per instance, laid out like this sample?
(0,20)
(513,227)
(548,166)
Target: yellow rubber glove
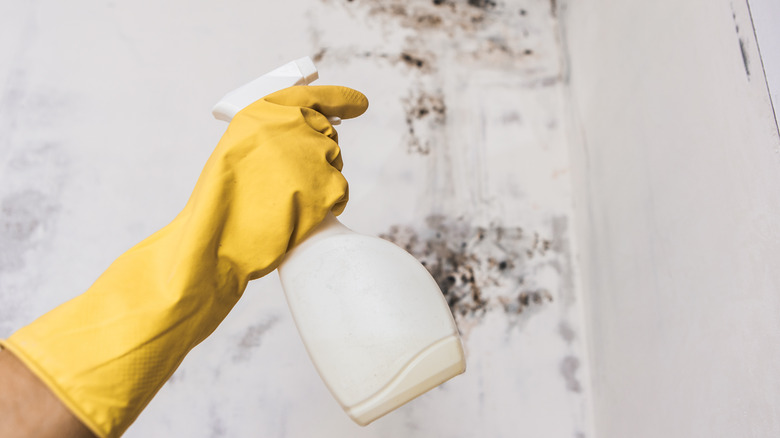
(273,177)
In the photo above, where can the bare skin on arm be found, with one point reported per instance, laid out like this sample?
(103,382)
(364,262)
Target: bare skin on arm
(29,409)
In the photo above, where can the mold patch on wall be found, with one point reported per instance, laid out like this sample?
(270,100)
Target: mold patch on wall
(499,33)
(425,112)
(482,269)
(441,41)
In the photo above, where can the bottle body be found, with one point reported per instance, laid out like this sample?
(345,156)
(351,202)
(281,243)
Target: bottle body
(372,318)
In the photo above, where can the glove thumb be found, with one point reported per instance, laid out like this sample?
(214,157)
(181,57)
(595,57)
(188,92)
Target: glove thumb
(329,100)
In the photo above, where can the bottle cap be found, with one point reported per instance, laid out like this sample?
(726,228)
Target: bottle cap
(307,68)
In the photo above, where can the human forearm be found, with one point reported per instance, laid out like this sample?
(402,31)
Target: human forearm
(28,409)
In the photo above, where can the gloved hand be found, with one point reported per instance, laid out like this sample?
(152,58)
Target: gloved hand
(273,177)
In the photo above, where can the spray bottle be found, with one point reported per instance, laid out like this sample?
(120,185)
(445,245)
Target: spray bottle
(373,320)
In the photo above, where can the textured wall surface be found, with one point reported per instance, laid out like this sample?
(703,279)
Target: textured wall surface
(105,124)
(678,173)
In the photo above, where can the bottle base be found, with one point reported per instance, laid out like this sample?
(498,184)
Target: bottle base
(433,366)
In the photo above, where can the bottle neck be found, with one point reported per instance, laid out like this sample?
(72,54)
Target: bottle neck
(329,227)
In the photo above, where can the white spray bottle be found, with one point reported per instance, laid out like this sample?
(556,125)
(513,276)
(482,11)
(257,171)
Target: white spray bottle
(373,320)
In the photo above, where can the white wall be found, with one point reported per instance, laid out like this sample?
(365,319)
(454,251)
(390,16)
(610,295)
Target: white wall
(677,186)
(105,125)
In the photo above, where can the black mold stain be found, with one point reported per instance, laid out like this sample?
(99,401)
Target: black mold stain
(252,339)
(482,4)
(424,112)
(527,299)
(412,61)
(488,34)
(569,366)
(477,268)
(444,17)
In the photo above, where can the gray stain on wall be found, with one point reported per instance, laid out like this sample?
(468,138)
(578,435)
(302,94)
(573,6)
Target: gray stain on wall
(24,215)
(743,50)
(217,427)
(568,367)
(33,167)
(252,338)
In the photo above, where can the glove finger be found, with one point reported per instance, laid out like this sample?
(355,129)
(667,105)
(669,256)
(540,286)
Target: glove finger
(330,100)
(320,123)
(337,162)
(339,207)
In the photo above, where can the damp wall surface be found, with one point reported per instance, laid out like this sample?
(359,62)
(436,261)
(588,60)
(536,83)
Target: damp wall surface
(462,159)
(676,175)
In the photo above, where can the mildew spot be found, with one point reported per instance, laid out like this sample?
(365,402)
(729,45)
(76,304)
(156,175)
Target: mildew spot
(412,61)
(566,332)
(450,37)
(464,26)
(217,427)
(252,339)
(482,4)
(569,366)
(425,112)
(478,269)
(23,216)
